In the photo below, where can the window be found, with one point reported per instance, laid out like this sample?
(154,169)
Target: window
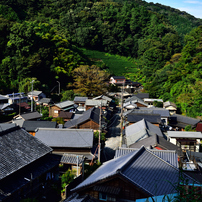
(102,197)
(56,111)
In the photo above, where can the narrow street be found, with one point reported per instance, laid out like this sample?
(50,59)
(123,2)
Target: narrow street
(113,137)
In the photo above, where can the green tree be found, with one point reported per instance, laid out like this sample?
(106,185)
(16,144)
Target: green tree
(89,80)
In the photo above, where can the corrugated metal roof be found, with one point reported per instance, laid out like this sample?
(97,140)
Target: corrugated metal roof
(72,138)
(17,149)
(142,168)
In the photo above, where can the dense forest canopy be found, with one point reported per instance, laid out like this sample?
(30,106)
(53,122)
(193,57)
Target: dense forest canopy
(42,39)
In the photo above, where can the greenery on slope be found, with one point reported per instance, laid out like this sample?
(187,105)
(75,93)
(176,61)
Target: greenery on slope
(48,39)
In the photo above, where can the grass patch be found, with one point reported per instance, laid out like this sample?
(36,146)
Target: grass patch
(115,64)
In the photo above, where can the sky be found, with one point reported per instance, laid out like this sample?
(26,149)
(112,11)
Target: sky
(193,7)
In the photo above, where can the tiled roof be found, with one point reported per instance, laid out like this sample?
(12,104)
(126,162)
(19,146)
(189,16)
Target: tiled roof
(185,120)
(135,100)
(118,77)
(92,114)
(153,110)
(152,118)
(72,159)
(64,104)
(80,99)
(168,103)
(169,156)
(142,95)
(103,97)
(30,115)
(141,130)
(18,149)
(91,102)
(33,125)
(156,141)
(142,168)
(71,138)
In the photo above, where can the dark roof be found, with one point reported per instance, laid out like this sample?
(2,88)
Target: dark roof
(199,127)
(29,116)
(182,121)
(31,126)
(76,198)
(80,99)
(169,156)
(142,95)
(135,99)
(70,138)
(140,130)
(66,115)
(20,178)
(92,113)
(156,141)
(152,110)
(152,118)
(24,104)
(18,149)
(142,168)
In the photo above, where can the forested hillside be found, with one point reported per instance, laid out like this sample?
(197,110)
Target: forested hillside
(42,39)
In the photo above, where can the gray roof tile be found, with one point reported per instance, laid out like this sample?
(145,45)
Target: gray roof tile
(31,126)
(152,118)
(80,99)
(142,168)
(71,138)
(17,149)
(64,104)
(72,158)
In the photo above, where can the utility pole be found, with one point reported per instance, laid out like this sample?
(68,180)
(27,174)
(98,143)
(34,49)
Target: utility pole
(121,137)
(19,104)
(32,96)
(100,128)
(59,87)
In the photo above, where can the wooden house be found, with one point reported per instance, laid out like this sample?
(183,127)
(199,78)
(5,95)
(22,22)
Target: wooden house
(88,120)
(90,103)
(80,101)
(186,140)
(172,107)
(117,80)
(136,175)
(66,106)
(3,99)
(27,166)
(135,100)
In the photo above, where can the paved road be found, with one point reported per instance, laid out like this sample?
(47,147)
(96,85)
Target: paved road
(113,138)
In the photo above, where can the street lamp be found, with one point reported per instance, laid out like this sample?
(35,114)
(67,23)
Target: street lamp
(59,87)
(32,96)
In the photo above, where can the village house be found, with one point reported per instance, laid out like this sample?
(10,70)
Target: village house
(172,107)
(80,101)
(31,126)
(117,80)
(66,106)
(150,101)
(89,119)
(27,166)
(71,141)
(140,130)
(16,98)
(179,122)
(90,103)
(36,95)
(135,100)
(138,174)
(186,140)
(66,116)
